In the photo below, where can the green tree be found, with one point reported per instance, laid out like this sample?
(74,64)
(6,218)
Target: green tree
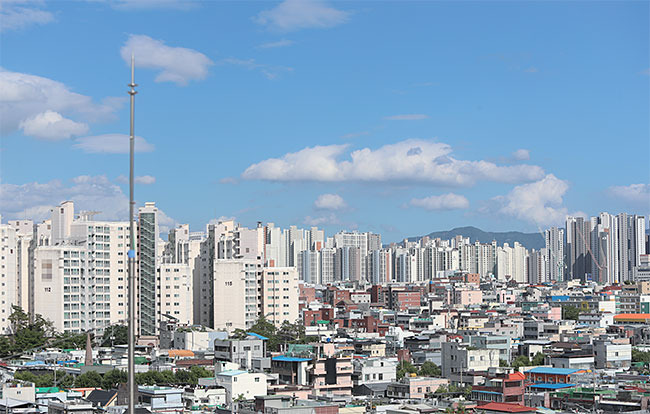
(113,378)
(429,369)
(405,368)
(521,361)
(184,377)
(69,340)
(503,363)
(640,356)
(90,379)
(199,372)
(538,359)
(25,335)
(115,335)
(570,313)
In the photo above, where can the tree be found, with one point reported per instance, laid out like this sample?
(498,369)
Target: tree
(570,313)
(640,356)
(503,363)
(91,379)
(25,335)
(538,359)
(112,379)
(429,369)
(521,361)
(404,368)
(71,340)
(115,335)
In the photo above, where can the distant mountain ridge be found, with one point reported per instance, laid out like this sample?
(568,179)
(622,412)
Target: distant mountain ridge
(528,240)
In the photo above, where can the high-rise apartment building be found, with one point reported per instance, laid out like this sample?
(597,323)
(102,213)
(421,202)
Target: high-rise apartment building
(148,234)
(279,294)
(236,298)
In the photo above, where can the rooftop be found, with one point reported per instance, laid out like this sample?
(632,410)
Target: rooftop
(552,371)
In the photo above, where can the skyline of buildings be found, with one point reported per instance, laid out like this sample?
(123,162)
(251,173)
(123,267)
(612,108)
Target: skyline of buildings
(73,268)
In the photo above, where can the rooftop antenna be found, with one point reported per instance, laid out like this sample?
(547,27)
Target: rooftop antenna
(131,253)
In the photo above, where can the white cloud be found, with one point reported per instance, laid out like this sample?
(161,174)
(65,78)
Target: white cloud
(145,179)
(407,117)
(52,126)
(329,219)
(521,155)
(279,43)
(111,144)
(228,180)
(26,96)
(330,202)
(270,71)
(412,160)
(16,15)
(176,64)
(531,69)
(141,179)
(448,201)
(35,200)
(540,202)
(355,135)
(633,193)
(301,14)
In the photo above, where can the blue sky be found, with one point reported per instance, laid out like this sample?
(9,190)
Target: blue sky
(396,117)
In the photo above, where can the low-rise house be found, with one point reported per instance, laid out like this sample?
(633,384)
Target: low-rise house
(414,387)
(204,398)
(241,384)
(501,387)
(612,355)
(374,370)
(550,375)
(161,399)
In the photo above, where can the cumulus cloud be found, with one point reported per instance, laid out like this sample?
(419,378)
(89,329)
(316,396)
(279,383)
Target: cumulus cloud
(276,44)
(540,202)
(406,117)
(448,201)
(521,155)
(329,219)
(35,200)
(301,14)
(412,160)
(330,202)
(141,179)
(16,15)
(176,64)
(52,126)
(111,144)
(633,193)
(26,97)
(269,71)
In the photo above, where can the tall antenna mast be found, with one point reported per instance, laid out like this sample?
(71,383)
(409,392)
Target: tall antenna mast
(131,371)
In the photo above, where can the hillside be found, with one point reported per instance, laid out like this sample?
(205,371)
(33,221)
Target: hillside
(529,240)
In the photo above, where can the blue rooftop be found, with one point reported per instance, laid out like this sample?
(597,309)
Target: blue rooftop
(548,386)
(552,371)
(258,336)
(231,373)
(283,358)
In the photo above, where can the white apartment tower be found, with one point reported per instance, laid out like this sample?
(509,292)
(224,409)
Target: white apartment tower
(280,291)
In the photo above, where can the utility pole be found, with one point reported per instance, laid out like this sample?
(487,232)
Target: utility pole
(131,254)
